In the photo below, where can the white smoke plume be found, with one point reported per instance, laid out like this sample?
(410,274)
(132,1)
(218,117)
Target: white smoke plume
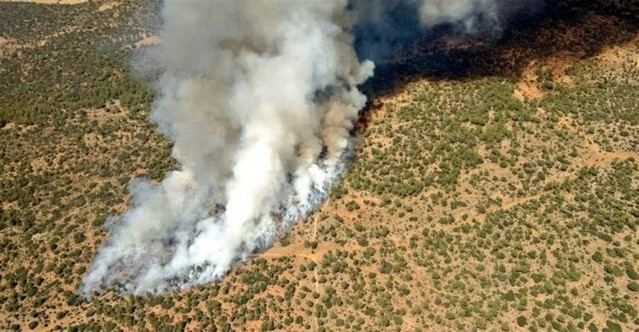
(431,12)
(434,12)
(259,98)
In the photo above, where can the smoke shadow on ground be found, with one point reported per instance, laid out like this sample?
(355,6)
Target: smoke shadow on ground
(565,30)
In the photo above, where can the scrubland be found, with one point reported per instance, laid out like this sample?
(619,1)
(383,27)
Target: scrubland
(502,198)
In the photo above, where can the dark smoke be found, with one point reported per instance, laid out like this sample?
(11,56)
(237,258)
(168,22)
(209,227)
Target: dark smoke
(386,28)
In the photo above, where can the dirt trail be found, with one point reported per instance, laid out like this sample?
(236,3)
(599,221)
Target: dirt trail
(298,250)
(594,157)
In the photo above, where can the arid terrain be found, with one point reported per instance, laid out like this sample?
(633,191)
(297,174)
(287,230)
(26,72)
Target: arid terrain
(502,198)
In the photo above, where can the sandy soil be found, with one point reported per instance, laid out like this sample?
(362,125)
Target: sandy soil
(148,40)
(527,87)
(108,5)
(7,46)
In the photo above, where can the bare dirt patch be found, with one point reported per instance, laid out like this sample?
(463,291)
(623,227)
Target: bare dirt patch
(7,46)
(148,40)
(527,87)
(617,53)
(108,5)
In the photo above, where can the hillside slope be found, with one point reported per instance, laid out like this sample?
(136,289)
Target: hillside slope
(503,197)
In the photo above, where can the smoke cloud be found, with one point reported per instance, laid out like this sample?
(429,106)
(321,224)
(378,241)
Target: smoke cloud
(259,98)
